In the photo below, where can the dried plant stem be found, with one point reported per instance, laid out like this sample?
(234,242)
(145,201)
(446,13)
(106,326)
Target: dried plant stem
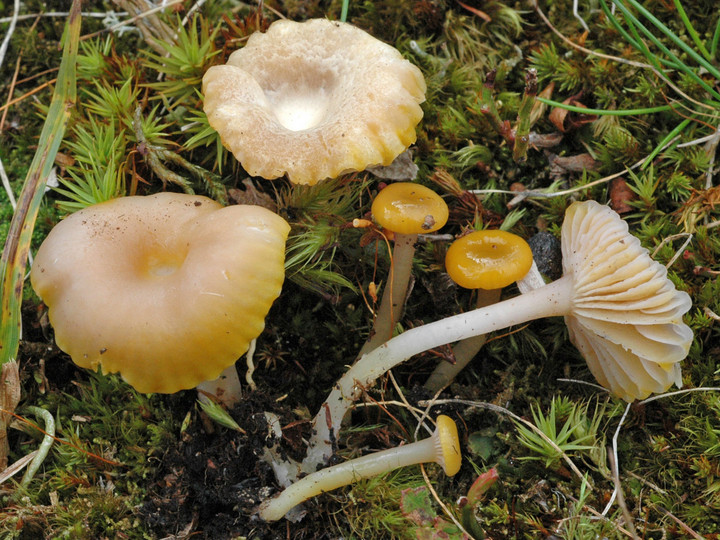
(9,399)
(615,459)
(11,29)
(621,497)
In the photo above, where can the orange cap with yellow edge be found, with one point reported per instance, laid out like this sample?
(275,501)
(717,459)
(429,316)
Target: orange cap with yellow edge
(488,259)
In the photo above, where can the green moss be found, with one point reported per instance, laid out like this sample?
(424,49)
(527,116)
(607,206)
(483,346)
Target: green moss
(667,448)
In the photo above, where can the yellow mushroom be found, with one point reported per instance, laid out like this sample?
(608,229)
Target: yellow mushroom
(167,290)
(407,210)
(623,313)
(314,100)
(486,260)
(442,447)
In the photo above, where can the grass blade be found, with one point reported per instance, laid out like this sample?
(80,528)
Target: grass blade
(671,35)
(715,39)
(691,30)
(638,44)
(669,137)
(605,112)
(691,52)
(14,256)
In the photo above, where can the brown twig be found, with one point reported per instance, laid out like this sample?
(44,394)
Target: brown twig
(62,441)
(10,91)
(28,94)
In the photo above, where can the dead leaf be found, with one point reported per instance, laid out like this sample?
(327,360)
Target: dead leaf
(576,163)
(484,16)
(538,110)
(545,140)
(64,161)
(402,168)
(565,120)
(620,194)
(251,195)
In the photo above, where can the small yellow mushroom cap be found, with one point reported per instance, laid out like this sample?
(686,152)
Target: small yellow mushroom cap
(168,290)
(488,259)
(449,445)
(408,208)
(313,100)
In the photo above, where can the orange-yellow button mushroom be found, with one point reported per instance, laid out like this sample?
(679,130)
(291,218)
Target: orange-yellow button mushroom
(168,290)
(487,261)
(407,210)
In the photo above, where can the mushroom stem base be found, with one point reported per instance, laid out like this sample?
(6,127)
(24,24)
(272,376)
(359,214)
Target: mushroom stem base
(227,388)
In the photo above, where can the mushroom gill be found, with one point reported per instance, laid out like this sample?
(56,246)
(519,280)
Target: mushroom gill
(314,100)
(626,318)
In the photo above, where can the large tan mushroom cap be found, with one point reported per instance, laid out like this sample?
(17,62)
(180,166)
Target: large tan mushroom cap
(168,290)
(627,315)
(313,100)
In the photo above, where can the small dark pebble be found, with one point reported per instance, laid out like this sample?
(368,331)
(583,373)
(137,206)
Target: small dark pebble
(546,252)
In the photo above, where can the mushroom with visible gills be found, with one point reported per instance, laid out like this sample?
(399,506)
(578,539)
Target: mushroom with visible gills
(623,313)
(168,289)
(442,447)
(407,210)
(314,100)
(486,261)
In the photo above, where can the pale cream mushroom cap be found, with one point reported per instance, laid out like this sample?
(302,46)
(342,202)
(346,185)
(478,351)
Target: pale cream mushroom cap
(314,100)
(627,315)
(168,290)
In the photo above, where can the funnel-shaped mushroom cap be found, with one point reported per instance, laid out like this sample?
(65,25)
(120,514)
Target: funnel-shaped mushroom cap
(313,100)
(488,259)
(627,315)
(168,290)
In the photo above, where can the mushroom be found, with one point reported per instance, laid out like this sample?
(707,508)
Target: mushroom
(487,261)
(624,315)
(406,209)
(314,100)
(168,289)
(442,447)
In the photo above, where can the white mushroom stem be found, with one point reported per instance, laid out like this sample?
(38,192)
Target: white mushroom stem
(464,351)
(250,365)
(551,300)
(393,298)
(467,349)
(227,388)
(425,451)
